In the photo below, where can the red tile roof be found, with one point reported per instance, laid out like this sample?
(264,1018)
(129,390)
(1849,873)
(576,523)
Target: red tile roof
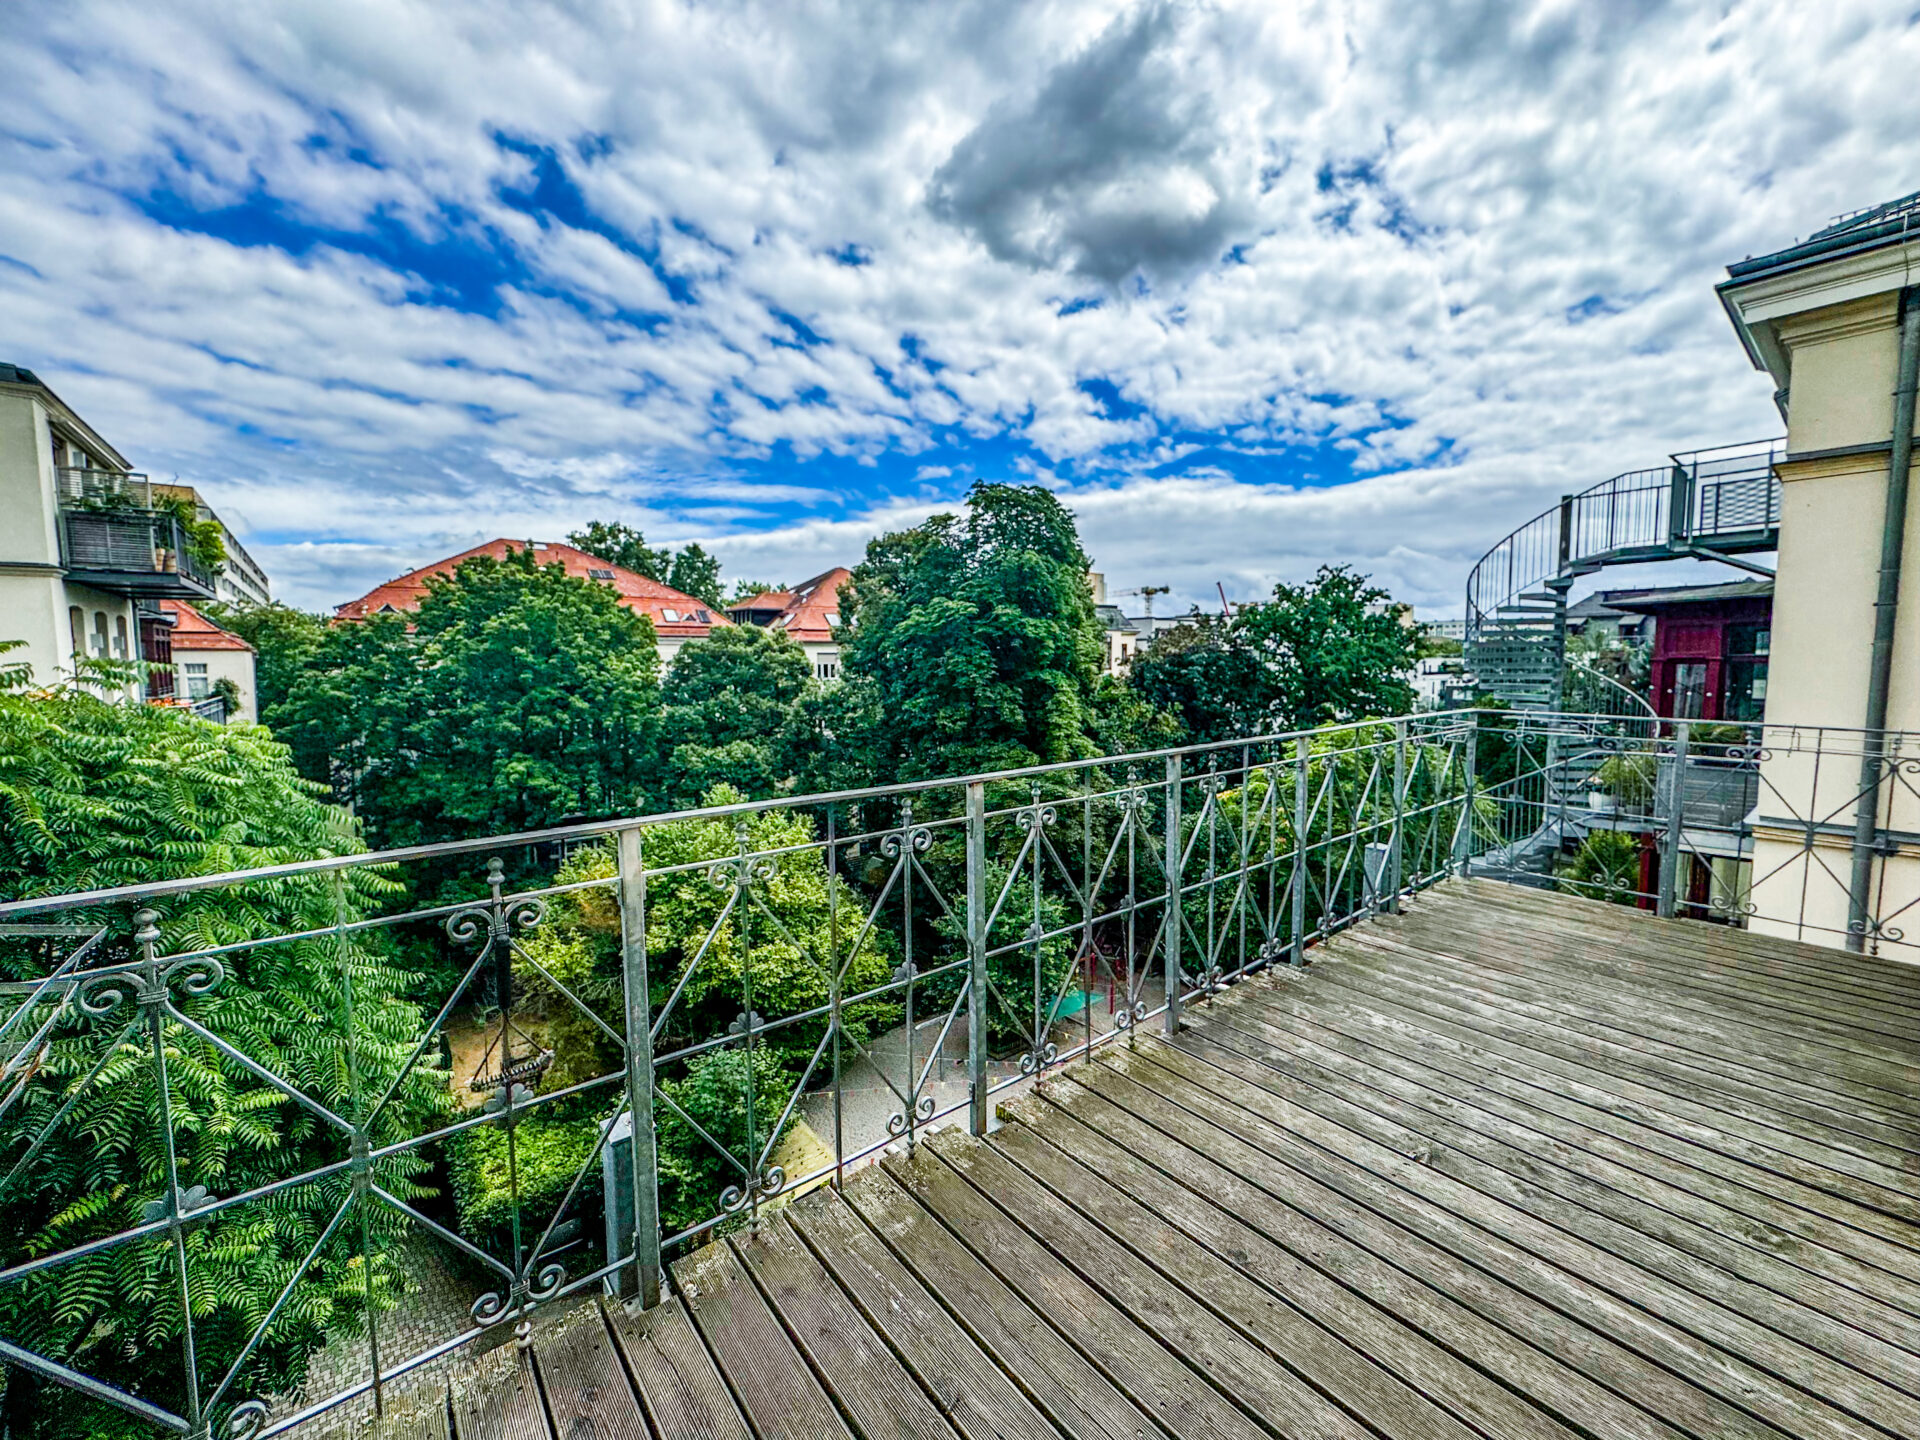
(674,614)
(194,631)
(808,612)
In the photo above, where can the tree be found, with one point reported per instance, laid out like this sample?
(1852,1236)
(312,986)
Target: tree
(1331,650)
(520,697)
(773,953)
(284,640)
(697,573)
(727,712)
(1208,678)
(624,546)
(98,794)
(971,641)
(747,589)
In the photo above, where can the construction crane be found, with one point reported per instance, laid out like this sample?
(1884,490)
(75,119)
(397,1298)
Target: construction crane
(1146,594)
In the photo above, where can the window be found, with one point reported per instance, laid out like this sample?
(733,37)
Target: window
(672,617)
(826,665)
(833,619)
(120,637)
(600,574)
(1689,690)
(198,686)
(1746,683)
(100,634)
(77,626)
(704,617)
(385,610)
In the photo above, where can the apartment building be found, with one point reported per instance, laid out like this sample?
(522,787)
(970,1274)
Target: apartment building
(808,614)
(85,559)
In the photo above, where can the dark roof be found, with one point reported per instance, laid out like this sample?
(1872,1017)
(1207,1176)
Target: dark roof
(1651,601)
(1868,229)
(19,375)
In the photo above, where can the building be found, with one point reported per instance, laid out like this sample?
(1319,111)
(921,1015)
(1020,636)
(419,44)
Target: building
(809,613)
(1834,321)
(1711,648)
(1441,682)
(1598,615)
(239,580)
(677,617)
(1455,629)
(1120,637)
(85,557)
(204,655)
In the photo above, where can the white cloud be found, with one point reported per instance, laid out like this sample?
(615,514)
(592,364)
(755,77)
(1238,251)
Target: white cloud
(1465,250)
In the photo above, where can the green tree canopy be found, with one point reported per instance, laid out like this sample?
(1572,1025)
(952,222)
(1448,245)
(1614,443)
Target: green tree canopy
(971,642)
(96,794)
(520,697)
(727,711)
(697,573)
(624,546)
(1331,650)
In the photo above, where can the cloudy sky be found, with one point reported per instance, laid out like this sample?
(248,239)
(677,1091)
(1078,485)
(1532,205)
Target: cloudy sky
(1253,286)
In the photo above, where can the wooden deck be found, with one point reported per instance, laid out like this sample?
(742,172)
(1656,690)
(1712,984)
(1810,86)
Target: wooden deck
(1509,1165)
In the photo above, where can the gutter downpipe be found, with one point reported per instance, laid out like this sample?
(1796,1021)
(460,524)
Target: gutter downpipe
(1886,606)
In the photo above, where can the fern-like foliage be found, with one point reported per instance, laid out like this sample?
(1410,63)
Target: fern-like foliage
(96,794)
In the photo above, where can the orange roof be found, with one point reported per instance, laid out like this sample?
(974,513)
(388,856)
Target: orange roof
(673,613)
(194,631)
(809,612)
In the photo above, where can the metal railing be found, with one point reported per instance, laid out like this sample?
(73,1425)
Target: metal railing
(535,1065)
(1703,496)
(84,487)
(1743,823)
(148,548)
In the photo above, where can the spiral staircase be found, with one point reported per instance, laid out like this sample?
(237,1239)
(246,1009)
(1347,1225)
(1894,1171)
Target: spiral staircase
(1706,505)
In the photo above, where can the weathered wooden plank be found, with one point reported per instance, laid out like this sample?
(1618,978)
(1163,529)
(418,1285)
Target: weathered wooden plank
(1535,1145)
(768,1378)
(1662,1067)
(1664,1320)
(1269,1189)
(1816,956)
(860,1372)
(1697,1061)
(1749,1282)
(1770,1162)
(587,1391)
(976,1397)
(682,1392)
(1820,965)
(1392,1328)
(1630,960)
(1078,1398)
(1517,944)
(496,1398)
(1723,947)
(1842,1053)
(1129,1357)
(1331,1361)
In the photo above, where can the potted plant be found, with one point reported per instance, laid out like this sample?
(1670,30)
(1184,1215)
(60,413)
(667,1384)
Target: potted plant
(1627,780)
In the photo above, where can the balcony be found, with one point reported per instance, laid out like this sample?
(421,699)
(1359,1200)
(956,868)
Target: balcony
(1213,1091)
(140,553)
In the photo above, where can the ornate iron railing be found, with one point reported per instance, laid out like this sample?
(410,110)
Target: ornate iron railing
(522,1068)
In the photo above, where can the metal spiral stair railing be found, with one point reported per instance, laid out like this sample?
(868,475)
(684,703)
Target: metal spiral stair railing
(1706,504)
